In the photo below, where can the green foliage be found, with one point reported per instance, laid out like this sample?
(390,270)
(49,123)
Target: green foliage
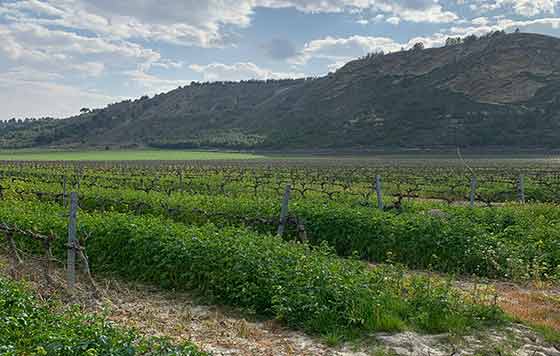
(29,327)
(308,288)
(513,241)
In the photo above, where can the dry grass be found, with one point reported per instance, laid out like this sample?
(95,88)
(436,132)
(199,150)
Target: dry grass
(538,307)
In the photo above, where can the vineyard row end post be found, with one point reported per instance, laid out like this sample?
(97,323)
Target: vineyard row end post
(521,188)
(64,191)
(473,191)
(71,258)
(284,210)
(379,192)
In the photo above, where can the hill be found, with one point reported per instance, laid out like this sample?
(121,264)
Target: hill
(498,90)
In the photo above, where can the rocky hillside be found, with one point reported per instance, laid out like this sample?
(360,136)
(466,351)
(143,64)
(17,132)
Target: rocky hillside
(498,90)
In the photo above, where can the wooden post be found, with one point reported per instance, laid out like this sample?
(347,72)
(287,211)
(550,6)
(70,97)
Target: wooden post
(181,181)
(473,191)
(64,191)
(16,260)
(71,261)
(379,192)
(302,234)
(13,248)
(521,188)
(284,211)
(80,173)
(48,257)
(85,262)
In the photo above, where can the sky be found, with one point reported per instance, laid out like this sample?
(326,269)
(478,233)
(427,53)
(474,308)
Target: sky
(58,56)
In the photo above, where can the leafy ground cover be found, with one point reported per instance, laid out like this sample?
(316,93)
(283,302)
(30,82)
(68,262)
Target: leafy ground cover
(306,288)
(31,327)
(223,330)
(514,241)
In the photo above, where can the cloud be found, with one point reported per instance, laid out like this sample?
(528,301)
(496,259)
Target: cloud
(409,10)
(151,84)
(339,50)
(527,8)
(239,71)
(433,14)
(480,21)
(187,22)
(28,93)
(537,25)
(531,7)
(36,38)
(42,48)
(195,22)
(279,49)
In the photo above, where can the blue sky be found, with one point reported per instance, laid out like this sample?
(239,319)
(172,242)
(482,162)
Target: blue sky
(57,56)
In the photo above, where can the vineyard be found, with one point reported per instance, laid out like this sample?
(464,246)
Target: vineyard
(337,249)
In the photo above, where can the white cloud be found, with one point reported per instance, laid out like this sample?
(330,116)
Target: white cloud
(41,48)
(531,7)
(195,22)
(480,21)
(526,8)
(28,93)
(151,84)
(409,10)
(36,38)
(433,14)
(537,25)
(338,50)
(239,71)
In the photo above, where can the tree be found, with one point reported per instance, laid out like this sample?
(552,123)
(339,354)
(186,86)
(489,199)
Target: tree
(418,46)
(470,39)
(453,41)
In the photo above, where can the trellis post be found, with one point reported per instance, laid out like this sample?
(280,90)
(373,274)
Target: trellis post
(71,258)
(284,210)
(473,191)
(64,191)
(16,260)
(378,192)
(521,188)
(48,257)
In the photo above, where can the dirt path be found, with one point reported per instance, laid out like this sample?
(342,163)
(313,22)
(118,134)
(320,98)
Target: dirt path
(229,332)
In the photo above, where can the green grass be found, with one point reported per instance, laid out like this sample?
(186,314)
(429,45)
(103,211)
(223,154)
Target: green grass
(119,155)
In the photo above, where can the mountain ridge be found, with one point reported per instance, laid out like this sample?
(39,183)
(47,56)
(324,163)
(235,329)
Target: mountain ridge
(496,90)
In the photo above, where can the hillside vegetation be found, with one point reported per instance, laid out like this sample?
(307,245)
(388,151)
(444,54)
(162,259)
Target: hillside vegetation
(499,90)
